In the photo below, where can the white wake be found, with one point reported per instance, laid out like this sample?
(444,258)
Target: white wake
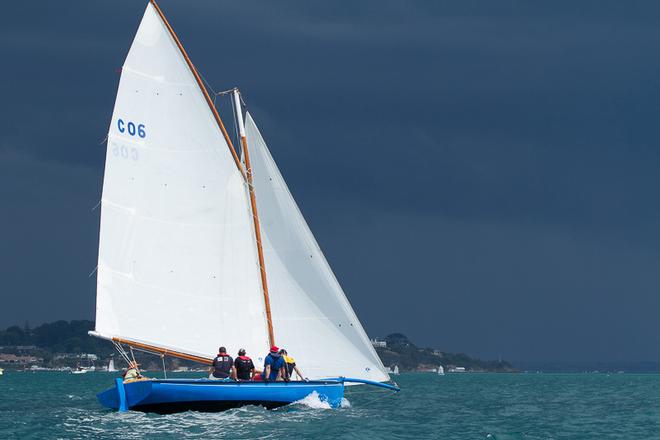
(314,401)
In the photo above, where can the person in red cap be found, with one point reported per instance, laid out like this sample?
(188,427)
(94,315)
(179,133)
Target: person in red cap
(274,365)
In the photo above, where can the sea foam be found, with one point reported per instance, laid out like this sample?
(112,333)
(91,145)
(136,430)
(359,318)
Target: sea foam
(314,401)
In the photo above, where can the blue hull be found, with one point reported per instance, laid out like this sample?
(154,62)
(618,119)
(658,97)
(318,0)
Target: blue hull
(176,395)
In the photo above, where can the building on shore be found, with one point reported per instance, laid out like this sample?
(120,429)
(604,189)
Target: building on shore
(10,358)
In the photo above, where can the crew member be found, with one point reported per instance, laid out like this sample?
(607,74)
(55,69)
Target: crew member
(274,365)
(223,365)
(243,366)
(290,366)
(132,373)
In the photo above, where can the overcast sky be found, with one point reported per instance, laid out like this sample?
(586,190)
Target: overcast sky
(482,176)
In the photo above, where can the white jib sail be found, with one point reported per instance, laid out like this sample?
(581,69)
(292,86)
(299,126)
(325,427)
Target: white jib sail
(312,318)
(177,262)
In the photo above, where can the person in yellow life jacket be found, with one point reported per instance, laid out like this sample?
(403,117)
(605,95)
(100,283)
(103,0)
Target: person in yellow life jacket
(291,366)
(132,373)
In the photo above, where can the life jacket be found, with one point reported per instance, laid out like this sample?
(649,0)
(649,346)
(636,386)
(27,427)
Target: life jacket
(290,364)
(244,366)
(222,365)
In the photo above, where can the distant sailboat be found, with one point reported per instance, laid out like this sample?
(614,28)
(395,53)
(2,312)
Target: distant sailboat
(2,371)
(394,370)
(441,370)
(185,264)
(111,366)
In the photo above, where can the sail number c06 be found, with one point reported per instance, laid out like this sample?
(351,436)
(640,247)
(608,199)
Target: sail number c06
(131,128)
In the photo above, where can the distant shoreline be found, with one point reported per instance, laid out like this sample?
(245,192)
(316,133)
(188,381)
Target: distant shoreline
(60,343)
(588,366)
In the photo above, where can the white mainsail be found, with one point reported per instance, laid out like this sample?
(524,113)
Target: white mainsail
(177,264)
(312,318)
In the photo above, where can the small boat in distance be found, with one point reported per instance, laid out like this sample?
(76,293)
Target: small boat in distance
(111,366)
(81,369)
(2,371)
(441,370)
(394,370)
(191,259)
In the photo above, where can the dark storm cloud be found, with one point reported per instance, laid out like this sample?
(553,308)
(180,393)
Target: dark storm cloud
(482,175)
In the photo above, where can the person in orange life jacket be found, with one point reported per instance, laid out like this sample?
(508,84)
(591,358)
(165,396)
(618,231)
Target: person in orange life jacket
(273,365)
(223,366)
(243,366)
(290,366)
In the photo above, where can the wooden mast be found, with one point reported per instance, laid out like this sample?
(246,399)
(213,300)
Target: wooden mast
(209,101)
(255,215)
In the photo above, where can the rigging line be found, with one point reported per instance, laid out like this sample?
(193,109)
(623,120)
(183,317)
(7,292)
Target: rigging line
(226,92)
(206,82)
(121,351)
(384,396)
(93,272)
(144,350)
(133,356)
(162,356)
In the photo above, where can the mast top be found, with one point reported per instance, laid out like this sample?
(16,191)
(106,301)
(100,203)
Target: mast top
(239,112)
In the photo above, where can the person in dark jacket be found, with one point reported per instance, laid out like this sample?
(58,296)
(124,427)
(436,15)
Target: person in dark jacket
(223,366)
(243,366)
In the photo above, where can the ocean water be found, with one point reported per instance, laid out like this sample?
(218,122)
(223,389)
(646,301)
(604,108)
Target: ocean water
(46,405)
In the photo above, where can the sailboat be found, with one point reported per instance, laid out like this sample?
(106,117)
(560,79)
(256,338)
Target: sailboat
(394,370)
(202,246)
(441,370)
(111,366)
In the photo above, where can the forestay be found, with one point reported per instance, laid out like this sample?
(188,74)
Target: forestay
(312,318)
(177,262)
